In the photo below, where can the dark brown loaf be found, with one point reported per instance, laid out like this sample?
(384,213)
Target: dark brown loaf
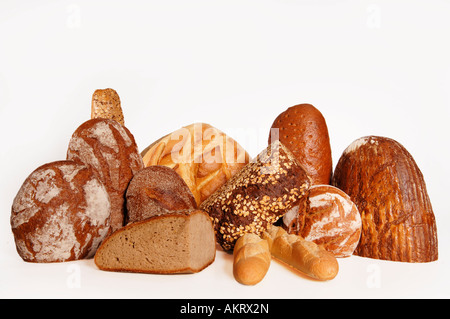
(155,190)
(61,213)
(384,181)
(303,130)
(175,242)
(110,150)
(257,196)
(329,219)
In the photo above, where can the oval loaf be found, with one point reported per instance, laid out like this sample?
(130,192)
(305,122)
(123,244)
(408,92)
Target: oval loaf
(109,149)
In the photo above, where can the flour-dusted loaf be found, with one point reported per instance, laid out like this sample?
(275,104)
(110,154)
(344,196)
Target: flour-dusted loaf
(201,154)
(383,180)
(155,190)
(329,219)
(61,213)
(257,196)
(303,130)
(174,242)
(109,149)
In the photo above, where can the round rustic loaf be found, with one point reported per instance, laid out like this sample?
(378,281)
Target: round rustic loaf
(329,218)
(109,149)
(155,190)
(385,183)
(61,213)
(202,155)
(303,130)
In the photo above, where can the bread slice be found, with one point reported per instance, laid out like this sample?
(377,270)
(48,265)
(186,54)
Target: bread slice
(175,242)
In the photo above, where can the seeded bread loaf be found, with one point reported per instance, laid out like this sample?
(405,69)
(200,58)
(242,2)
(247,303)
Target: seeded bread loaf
(175,242)
(106,104)
(155,190)
(257,196)
(61,213)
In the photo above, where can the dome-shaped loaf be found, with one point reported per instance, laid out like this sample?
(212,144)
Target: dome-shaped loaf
(303,130)
(156,190)
(385,183)
(109,149)
(201,154)
(61,213)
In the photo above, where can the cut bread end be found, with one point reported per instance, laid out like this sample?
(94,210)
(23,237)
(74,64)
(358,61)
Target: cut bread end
(176,242)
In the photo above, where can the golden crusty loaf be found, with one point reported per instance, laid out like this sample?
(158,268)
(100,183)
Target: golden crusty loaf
(61,213)
(303,130)
(174,242)
(251,259)
(303,255)
(257,196)
(202,155)
(155,190)
(109,149)
(329,218)
(106,104)
(385,183)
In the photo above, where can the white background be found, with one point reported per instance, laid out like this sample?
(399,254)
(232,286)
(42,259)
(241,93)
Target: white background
(370,67)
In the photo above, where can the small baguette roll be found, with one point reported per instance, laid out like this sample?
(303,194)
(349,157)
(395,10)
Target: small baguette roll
(251,259)
(303,255)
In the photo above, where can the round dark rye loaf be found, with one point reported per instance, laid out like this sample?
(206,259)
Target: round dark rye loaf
(257,196)
(155,190)
(60,213)
(385,183)
(110,150)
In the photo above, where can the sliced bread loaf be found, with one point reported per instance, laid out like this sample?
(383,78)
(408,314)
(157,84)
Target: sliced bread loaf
(175,242)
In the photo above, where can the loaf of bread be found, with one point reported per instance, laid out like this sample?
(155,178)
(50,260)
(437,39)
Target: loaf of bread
(330,219)
(257,196)
(251,259)
(106,104)
(202,155)
(155,190)
(109,149)
(61,213)
(174,242)
(303,130)
(303,255)
(385,183)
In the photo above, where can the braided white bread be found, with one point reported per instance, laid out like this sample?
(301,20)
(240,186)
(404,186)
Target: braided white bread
(202,155)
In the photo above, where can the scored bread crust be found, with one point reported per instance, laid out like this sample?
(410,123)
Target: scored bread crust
(60,213)
(201,154)
(185,214)
(109,149)
(383,180)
